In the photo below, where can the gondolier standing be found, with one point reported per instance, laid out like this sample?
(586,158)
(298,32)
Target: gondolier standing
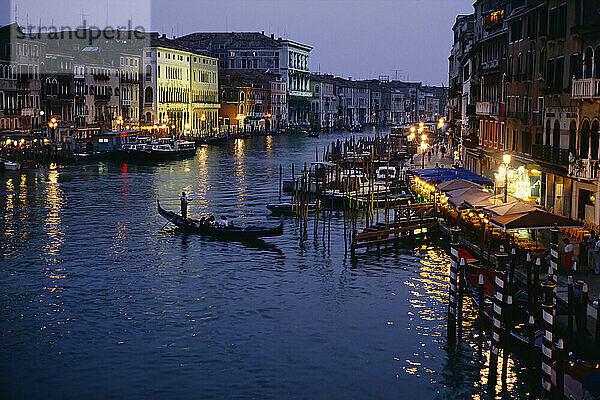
(184,204)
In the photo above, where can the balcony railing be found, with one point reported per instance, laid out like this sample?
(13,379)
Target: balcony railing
(102,97)
(584,169)
(553,155)
(126,102)
(588,88)
(471,109)
(488,108)
(101,77)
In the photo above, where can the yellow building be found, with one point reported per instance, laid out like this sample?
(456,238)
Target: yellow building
(180,88)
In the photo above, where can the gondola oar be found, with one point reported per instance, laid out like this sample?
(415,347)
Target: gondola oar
(168,222)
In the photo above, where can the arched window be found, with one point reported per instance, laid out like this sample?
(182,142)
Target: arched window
(595,136)
(242,96)
(148,117)
(572,136)
(556,134)
(548,128)
(588,58)
(241,109)
(585,137)
(597,62)
(148,95)
(594,143)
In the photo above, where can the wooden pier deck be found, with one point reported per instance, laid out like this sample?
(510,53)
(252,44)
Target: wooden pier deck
(410,222)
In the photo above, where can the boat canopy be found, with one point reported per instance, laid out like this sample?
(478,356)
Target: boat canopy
(536,219)
(440,174)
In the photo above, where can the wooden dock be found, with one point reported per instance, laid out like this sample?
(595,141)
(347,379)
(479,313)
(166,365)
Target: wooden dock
(413,221)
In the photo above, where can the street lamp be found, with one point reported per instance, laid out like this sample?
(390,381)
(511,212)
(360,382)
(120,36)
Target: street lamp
(506,158)
(203,118)
(423,149)
(52,125)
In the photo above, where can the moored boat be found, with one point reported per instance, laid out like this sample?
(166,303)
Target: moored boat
(10,165)
(239,233)
(288,208)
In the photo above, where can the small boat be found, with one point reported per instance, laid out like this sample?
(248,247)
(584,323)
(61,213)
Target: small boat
(224,232)
(10,166)
(288,208)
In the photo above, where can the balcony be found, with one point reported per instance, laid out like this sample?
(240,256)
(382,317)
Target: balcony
(584,169)
(586,88)
(126,102)
(471,142)
(549,154)
(102,97)
(101,77)
(487,108)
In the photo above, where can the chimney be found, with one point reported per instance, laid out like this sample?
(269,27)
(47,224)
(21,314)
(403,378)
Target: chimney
(273,36)
(262,33)
(164,35)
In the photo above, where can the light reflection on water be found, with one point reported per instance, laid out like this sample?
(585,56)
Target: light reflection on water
(156,312)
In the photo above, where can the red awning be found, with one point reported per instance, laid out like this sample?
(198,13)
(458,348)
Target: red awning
(536,219)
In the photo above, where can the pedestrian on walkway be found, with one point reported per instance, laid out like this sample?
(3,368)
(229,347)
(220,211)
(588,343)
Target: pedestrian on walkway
(443,149)
(568,260)
(591,242)
(596,257)
(429,156)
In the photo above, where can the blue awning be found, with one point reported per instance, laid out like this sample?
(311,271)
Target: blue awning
(435,175)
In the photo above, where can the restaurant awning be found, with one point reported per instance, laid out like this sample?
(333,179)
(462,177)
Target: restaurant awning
(445,174)
(515,207)
(536,219)
(471,194)
(494,200)
(456,184)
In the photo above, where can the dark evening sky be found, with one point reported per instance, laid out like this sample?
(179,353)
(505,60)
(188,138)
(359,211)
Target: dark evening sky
(407,39)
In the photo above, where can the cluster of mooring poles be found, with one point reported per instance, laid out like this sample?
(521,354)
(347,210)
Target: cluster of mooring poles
(546,360)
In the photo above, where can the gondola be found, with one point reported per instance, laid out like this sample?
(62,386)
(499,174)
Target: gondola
(289,208)
(227,233)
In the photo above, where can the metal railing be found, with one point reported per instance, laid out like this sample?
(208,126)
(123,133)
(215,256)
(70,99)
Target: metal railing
(584,168)
(550,154)
(588,88)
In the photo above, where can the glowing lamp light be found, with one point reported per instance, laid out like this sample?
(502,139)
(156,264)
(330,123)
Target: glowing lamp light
(502,170)
(53,120)
(506,158)
(423,137)
(421,124)
(412,129)
(203,117)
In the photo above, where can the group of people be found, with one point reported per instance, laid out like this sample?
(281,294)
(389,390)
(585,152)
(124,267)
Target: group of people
(589,254)
(210,221)
(593,252)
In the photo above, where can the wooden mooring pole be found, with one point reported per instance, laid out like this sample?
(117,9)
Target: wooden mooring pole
(453,286)
(461,292)
(480,313)
(499,299)
(548,312)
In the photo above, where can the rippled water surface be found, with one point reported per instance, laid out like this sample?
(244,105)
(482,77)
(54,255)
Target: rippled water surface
(100,299)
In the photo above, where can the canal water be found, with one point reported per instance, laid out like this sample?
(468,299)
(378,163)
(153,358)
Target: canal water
(99,299)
